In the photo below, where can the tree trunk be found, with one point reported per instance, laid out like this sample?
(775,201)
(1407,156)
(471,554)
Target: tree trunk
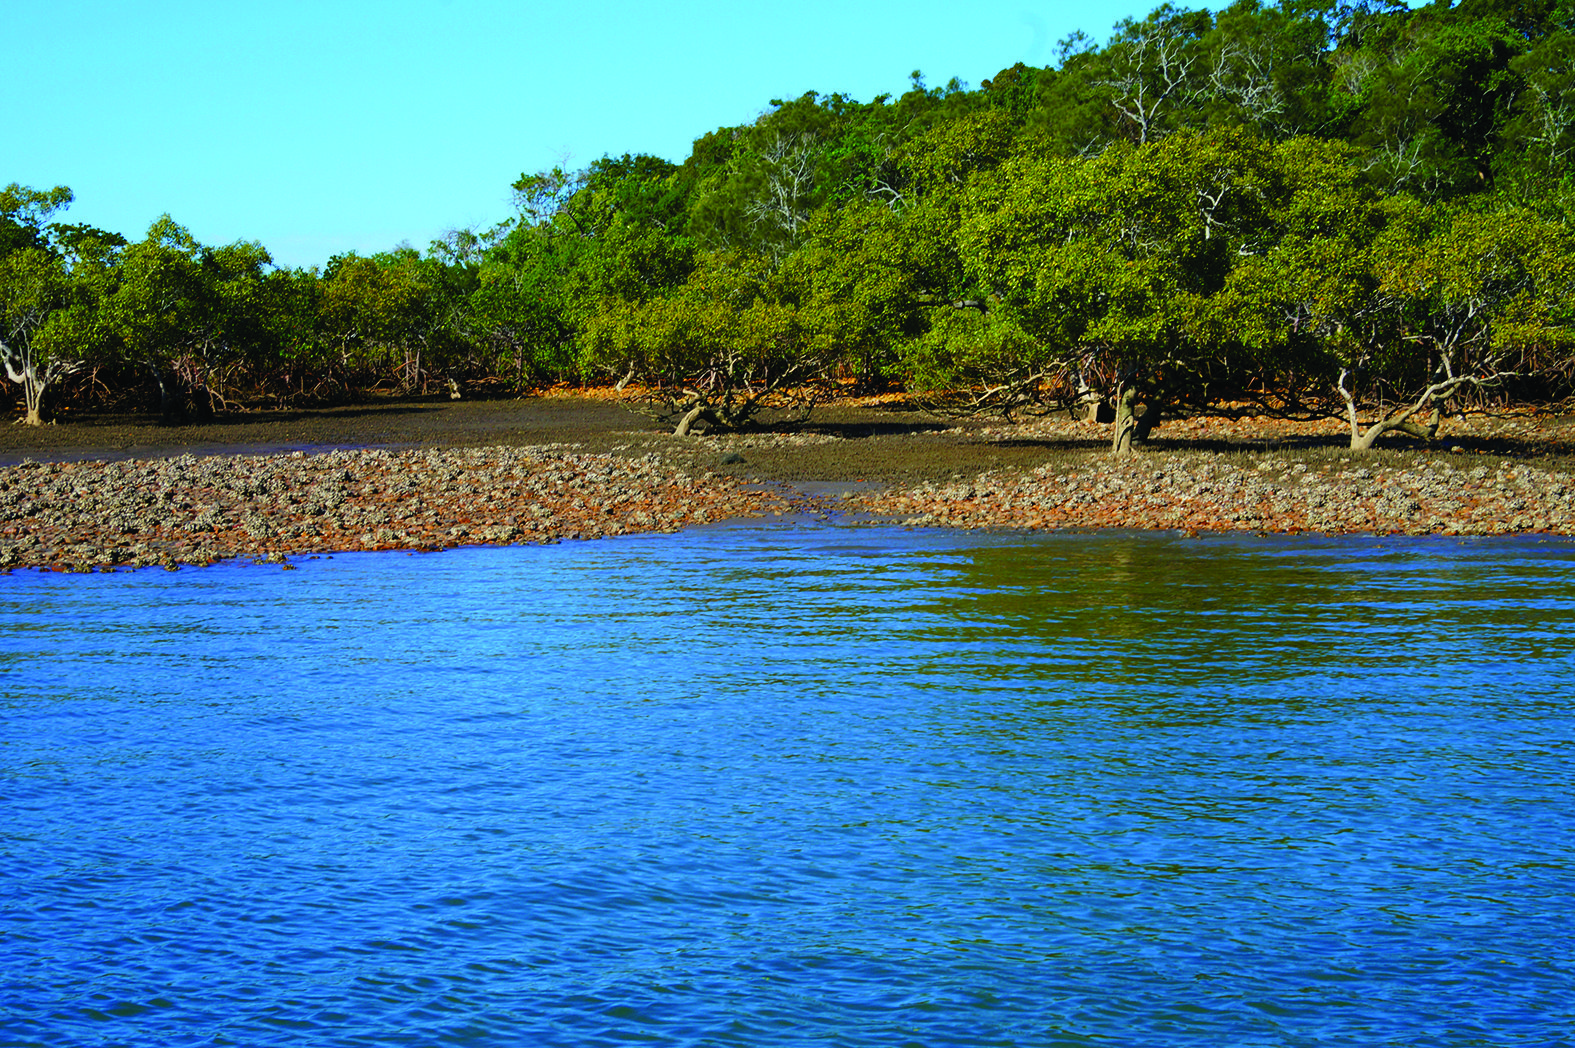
(33,397)
(1090,403)
(1131,427)
(689,419)
(21,369)
(1363,440)
(1125,424)
(1148,420)
(33,390)
(1435,396)
(167,411)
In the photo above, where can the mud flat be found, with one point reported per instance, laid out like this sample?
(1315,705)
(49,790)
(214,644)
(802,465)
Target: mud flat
(92,515)
(112,493)
(1197,492)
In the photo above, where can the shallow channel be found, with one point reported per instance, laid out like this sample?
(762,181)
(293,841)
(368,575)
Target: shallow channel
(791,784)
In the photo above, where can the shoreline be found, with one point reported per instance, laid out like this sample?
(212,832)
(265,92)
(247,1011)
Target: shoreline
(486,475)
(174,512)
(1173,492)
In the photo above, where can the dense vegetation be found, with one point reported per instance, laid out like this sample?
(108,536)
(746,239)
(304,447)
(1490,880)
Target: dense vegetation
(1361,210)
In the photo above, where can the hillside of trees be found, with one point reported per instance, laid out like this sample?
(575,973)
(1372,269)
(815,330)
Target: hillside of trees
(1358,211)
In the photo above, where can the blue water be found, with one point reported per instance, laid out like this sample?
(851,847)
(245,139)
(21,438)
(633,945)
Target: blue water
(796,785)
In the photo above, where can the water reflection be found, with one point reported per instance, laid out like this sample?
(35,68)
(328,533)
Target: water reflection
(769,785)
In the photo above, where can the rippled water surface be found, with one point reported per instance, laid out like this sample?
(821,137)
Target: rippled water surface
(796,785)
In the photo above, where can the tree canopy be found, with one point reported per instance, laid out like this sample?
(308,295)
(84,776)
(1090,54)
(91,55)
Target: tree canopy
(1359,209)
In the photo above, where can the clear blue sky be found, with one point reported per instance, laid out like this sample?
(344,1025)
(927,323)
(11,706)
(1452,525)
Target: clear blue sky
(324,126)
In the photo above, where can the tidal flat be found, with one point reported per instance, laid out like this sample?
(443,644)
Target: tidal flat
(111,493)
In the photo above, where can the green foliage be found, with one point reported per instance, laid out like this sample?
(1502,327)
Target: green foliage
(50,319)
(805,155)
(972,360)
(34,288)
(720,348)
(1433,109)
(642,190)
(22,214)
(191,316)
(1282,197)
(1267,71)
(1014,90)
(861,287)
(1540,136)
(1304,285)
(947,155)
(1477,290)
(1116,256)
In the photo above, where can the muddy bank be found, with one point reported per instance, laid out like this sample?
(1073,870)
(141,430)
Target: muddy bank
(188,510)
(1265,493)
(385,423)
(879,442)
(432,475)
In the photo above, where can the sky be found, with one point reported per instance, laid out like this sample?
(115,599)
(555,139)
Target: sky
(335,125)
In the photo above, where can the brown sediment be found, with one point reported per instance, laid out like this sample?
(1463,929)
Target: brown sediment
(382,423)
(126,493)
(188,510)
(1197,493)
(1490,475)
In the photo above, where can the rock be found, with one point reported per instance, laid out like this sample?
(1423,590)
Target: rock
(295,503)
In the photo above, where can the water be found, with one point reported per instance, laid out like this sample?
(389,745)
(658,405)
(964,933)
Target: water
(795,785)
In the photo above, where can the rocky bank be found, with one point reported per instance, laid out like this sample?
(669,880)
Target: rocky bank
(1194,492)
(493,474)
(186,510)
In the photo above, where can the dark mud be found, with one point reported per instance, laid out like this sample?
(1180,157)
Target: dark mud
(119,491)
(847,443)
(381,424)
(882,444)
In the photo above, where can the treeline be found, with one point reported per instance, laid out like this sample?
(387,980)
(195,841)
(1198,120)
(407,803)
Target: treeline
(1353,209)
